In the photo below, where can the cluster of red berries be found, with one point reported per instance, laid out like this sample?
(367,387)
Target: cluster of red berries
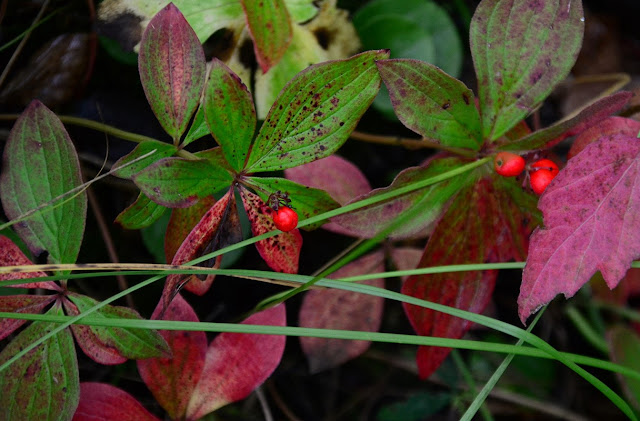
(541,172)
(285,218)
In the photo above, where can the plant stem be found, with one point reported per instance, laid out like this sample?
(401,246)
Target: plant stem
(410,143)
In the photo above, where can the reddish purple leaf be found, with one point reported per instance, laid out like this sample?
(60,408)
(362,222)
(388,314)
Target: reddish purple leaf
(173,380)
(591,217)
(495,228)
(11,255)
(237,363)
(21,304)
(182,222)
(338,309)
(609,126)
(406,258)
(103,402)
(282,251)
(218,228)
(172,69)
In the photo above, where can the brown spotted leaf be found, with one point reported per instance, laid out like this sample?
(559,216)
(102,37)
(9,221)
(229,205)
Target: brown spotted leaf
(219,227)
(11,255)
(182,222)
(609,126)
(104,402)
(172,69)
(141,213)
(21,304)
(337,309)
(591,220)
(521,50)
(173,380)
(280,252)
(237,363)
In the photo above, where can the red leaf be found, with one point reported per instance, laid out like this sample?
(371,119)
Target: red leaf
(406,258)
(495,229)
(11,255)
(338,309)
(237,363)
(103,402)
(608,126)
(591,217)
(219,227)
(173,380)
(282,251)
(32,304)
(182,222)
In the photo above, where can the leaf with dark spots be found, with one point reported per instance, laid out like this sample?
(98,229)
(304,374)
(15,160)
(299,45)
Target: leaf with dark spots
(33,304)
(237,363)
(295,134)
(182,222)
(337,309)
(140,214)
(104,402)
(219,227)
(44,383)
(432,103)
(306,201)
(198,128)
(172,69)
(113,345)
(179,183)
(482,224)
(11,255)
(591,223)
(609,126)
(39,164)
(229,113)
(421,208)
(270,28)
(280,252)
(515,54)
(587,118)
(162,150)
(173,380)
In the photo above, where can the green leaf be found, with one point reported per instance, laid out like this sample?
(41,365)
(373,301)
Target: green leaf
(301,10)
(198,128)
(172,69)
(162,150)
(316,112)
(624,344)
(521,49)
(417,29)
(179,183)
(270,28)
(229,113)
(416,407)
(128,342)
(44,384)
(141,213)
(432,103)
(40,163)
(306,201)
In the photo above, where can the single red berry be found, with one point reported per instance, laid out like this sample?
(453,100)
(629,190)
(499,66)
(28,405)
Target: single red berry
(508,164)
(285,218)
(546,164)
(540,179)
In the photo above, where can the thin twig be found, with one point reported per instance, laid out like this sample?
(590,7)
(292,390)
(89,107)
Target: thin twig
(264,404)
(20,46)
(407,143)
(277,399)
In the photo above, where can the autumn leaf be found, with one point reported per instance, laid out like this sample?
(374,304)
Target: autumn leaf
(104,402)
(591,220)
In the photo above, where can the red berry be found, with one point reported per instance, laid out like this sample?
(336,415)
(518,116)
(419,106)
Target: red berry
(285,218)
(508,164)
(540,179)
(546,164)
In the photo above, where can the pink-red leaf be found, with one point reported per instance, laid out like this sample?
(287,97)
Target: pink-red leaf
(338,309)
(172,69)
(218,228)
(182,222)
(406,258)
(495,229)
(172,380)
(237,363)
(609,126)
(591,221)
(270,28)
(21,304)
(281,252)
(11,255)
(103,402)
